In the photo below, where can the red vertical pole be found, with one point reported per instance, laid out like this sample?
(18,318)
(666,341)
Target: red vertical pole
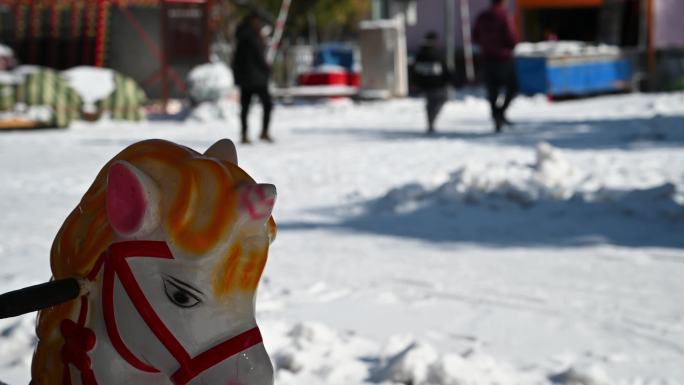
(101,32)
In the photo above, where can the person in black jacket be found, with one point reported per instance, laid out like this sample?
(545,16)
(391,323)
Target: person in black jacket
(432,78)
(252,73)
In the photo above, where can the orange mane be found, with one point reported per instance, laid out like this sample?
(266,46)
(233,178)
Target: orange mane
(198,213)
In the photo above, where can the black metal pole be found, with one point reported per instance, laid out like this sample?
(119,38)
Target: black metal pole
(33,298)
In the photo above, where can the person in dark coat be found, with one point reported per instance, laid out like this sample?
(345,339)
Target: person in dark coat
(432,77)
(495,33)
(252,73)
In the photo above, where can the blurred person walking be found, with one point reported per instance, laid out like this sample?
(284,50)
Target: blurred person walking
(252,73)
(495,33)
(432,78)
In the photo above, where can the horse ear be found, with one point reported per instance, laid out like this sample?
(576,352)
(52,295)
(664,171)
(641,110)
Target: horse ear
(132,200)
(256,202)
(224,149)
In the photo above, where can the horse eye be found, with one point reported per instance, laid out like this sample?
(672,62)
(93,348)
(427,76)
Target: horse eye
(179,296)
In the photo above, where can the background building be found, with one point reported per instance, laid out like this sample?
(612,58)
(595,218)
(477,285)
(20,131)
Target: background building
(652,28)
(156,42)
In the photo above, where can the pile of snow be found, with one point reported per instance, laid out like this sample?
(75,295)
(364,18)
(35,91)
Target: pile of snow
(210,86)
(224,110)
(551,178)
(210,82)
(6,51)
(31,113)
(407,361)
(23,70)
(311,354)
(564,48)
(9,78)
(18,74)
(7,59)
(92,83)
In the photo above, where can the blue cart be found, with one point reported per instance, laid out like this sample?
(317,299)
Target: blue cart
(573,75)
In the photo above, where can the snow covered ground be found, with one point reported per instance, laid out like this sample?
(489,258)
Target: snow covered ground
(552,253)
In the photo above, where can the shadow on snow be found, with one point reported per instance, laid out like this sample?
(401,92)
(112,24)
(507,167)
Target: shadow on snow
(598,134)
(638,218)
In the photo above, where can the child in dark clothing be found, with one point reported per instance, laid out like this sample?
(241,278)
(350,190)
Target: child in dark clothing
(432,77)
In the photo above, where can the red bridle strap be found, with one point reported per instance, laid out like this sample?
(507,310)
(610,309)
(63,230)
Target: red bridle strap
(115,252)
(118,253)
(116,265)
(216,354)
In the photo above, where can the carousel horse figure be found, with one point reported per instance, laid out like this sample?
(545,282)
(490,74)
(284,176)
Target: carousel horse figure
(160,264)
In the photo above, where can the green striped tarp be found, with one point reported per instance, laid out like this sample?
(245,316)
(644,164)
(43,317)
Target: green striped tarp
(7,96)
(126,101)
(44,87)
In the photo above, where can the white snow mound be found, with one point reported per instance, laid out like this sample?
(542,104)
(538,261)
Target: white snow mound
(551,178)
(6,51)
(92,83)
(210,82)
(311,354)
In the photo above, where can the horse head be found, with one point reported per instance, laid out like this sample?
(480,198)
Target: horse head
(169,245)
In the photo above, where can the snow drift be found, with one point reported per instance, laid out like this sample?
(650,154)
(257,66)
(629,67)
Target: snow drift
(311,354)
(550,179)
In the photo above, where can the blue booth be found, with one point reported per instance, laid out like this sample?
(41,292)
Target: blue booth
(573,75)
(335,54)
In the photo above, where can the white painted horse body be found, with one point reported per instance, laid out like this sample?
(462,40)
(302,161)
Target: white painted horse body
(170,297)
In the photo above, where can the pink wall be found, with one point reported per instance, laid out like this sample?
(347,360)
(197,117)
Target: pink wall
(669,23)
